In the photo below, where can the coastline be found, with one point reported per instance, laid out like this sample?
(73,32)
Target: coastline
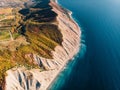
(61,56)
(72,19)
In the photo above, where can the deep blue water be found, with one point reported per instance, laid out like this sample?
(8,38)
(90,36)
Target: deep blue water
(97,65)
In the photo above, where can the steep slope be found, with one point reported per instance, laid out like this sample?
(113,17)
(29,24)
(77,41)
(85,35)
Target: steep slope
(62,52)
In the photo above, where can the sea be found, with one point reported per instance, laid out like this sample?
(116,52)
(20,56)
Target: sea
(97,64)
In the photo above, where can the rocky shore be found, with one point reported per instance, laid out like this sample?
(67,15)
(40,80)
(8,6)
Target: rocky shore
(23,79)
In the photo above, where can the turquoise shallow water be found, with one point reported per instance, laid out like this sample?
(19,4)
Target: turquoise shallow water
(97,65)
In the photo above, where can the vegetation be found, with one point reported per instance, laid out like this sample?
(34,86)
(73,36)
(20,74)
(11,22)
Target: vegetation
(4,35)
(37,27)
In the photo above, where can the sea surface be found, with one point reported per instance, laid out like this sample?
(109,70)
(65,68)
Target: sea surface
(97,65)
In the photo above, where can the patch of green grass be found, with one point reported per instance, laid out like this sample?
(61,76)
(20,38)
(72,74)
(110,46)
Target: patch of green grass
(4,35)
(15,35)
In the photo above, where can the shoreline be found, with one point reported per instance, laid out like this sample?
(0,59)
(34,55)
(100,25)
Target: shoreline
(69,13)
(62,68)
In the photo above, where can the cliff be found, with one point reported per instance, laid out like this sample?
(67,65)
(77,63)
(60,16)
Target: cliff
(23,79)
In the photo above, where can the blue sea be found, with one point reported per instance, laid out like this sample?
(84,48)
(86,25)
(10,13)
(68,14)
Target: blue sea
(97,65)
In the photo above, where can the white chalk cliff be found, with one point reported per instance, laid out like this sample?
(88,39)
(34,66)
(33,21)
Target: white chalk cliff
(23,79)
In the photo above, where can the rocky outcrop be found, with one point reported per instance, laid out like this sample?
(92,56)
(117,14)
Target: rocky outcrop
(22,79)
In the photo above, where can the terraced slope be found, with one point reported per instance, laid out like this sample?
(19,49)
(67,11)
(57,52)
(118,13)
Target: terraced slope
(31,30)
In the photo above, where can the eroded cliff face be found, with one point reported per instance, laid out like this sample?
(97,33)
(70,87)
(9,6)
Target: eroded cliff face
(23,79)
